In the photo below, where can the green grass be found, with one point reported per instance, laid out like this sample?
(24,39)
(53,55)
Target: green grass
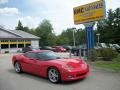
(113,65)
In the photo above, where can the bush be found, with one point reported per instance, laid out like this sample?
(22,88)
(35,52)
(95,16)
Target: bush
(103,53)
(92,55)
(107,53)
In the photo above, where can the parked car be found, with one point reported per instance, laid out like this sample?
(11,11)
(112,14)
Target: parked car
(103,45)
(67,47)
(47,48)
(59,49)
(47,64)
(29,48)
(116,47)
(76,50)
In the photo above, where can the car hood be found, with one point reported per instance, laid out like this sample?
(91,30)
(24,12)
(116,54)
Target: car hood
(74,63)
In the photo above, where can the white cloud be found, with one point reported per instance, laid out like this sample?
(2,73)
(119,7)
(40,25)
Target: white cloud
(9,11)
(30,21)
(60,12)
(3,1)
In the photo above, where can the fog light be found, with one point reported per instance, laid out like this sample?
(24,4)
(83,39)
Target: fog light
(70,76)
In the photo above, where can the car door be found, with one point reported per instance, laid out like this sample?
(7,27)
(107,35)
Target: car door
(30,62)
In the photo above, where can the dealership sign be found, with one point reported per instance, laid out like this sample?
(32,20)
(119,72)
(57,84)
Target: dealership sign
(89,12)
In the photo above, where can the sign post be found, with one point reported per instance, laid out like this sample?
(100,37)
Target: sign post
(89,35)
(87,15)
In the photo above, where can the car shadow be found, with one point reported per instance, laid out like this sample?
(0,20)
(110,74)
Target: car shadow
(44,80)
(73,82)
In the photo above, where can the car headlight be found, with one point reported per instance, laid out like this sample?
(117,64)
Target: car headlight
(67,67)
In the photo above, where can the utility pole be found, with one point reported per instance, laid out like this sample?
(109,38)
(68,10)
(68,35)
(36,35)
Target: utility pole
(74,41)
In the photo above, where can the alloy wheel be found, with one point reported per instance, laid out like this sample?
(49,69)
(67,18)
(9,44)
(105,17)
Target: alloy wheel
(53,75)
(17,67)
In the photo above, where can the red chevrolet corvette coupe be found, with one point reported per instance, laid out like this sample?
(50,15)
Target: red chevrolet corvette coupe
(47,64)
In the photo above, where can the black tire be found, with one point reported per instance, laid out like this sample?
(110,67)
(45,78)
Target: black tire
(54,78)
(17,67)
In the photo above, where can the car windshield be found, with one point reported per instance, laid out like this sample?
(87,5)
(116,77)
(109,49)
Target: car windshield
(47,55)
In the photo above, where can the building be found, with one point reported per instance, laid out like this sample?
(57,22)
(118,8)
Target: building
(14,40)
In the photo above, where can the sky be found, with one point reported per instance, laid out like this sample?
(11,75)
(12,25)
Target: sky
(32,12)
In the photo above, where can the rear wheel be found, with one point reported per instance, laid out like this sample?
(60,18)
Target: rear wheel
(54,75)
(17,67)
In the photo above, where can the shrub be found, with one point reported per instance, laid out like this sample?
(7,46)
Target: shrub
(92,55)
(103,53)
(107,53)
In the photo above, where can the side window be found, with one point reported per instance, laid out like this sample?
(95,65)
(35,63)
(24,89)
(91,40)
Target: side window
(31,55)
(42,56)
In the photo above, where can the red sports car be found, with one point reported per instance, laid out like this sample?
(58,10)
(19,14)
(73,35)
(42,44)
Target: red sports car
(47,64)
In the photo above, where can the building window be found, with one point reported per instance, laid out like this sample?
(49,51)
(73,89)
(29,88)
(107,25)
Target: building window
(20,45)
(28,45)
(4,46)
(13,45)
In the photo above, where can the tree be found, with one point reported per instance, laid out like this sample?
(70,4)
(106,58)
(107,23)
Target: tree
(66,36)
(26,29)
(80,37)
(45,32)
(62,40)
(31,31)
(51,39)
(20,26)
(109,28)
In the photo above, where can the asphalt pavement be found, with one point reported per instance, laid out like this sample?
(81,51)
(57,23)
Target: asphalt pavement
(97,80)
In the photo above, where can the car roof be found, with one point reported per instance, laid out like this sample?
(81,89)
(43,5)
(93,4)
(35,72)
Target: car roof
(37,51)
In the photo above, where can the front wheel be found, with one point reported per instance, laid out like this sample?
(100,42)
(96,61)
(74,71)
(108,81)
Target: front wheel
(17,67)
(54,75)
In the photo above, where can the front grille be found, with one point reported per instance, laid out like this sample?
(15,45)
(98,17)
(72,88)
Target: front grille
(78,75)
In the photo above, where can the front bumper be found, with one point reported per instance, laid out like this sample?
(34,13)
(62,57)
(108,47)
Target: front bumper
(74,75)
